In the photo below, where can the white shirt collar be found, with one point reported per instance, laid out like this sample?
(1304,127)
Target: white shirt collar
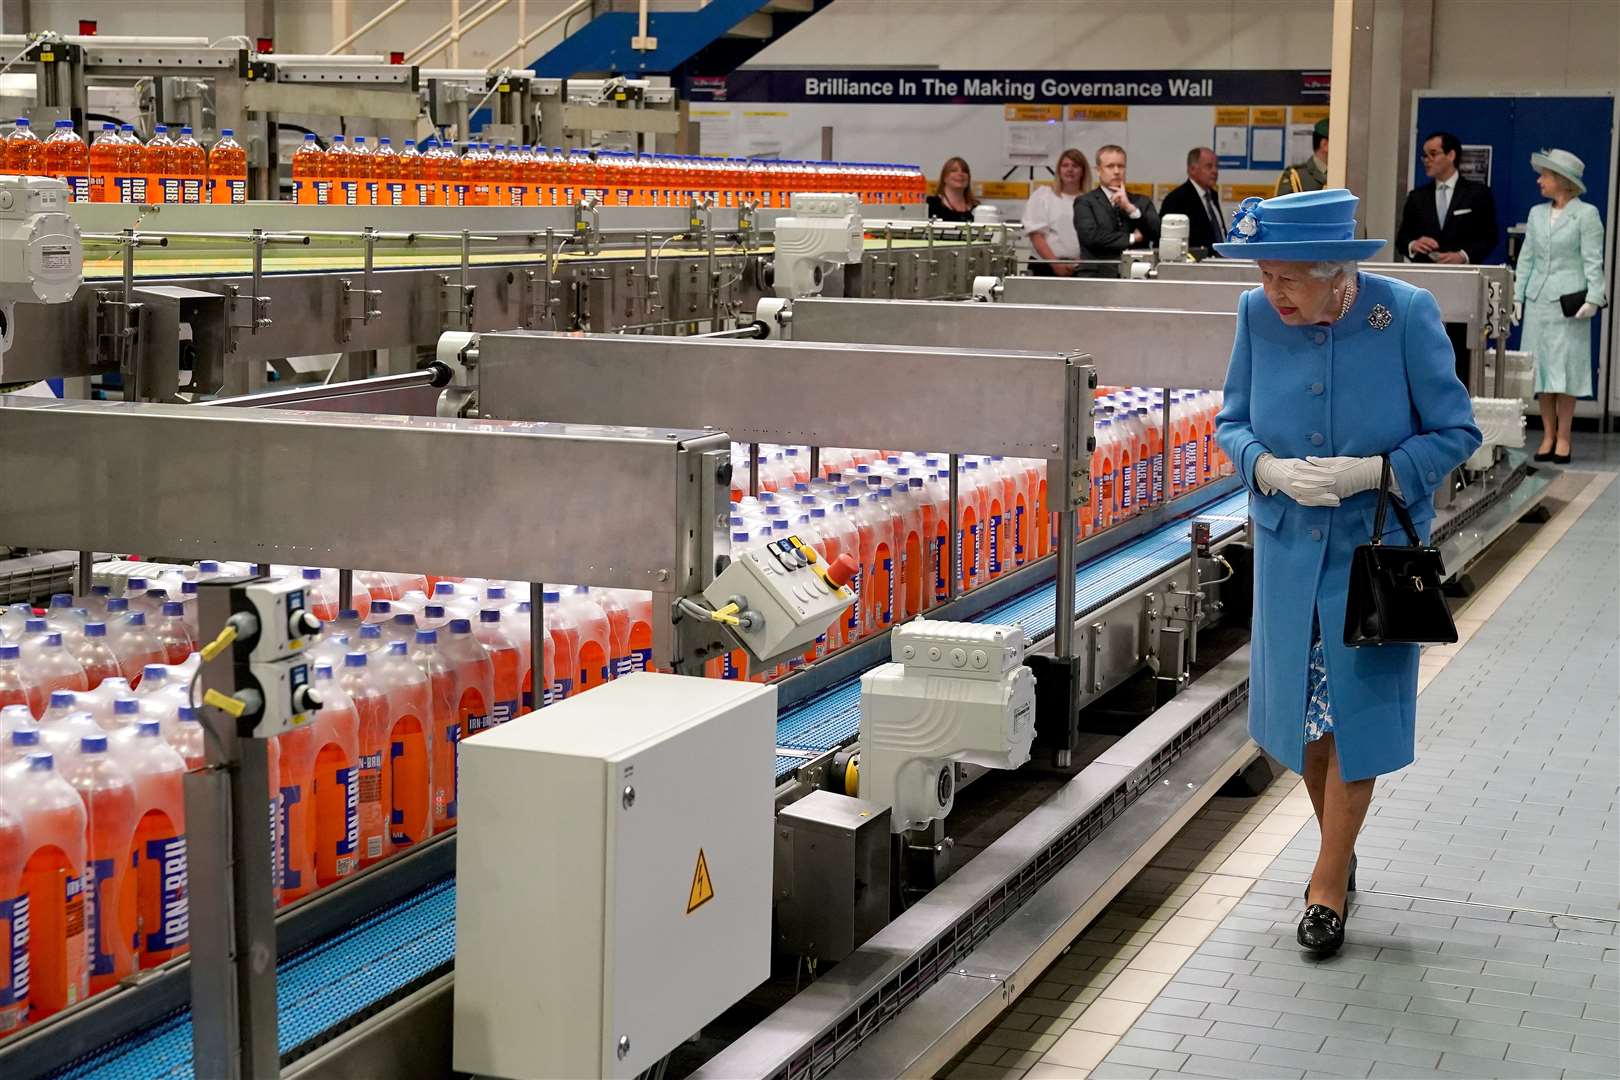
(1449,182)
(1200,188)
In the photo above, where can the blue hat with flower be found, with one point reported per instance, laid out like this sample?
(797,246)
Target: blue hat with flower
(1305,226)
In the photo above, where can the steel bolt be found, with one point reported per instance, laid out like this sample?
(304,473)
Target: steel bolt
(624,1047)
(629,798)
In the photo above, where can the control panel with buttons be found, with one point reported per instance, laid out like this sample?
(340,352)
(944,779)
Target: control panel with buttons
(785,594)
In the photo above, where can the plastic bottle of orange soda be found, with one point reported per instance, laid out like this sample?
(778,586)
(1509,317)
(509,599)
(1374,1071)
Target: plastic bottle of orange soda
(411,174)
(106,157)
(340,171)
(65,157)
(54,828)
(22,151)
(227,170)
(191,166)
(311,187)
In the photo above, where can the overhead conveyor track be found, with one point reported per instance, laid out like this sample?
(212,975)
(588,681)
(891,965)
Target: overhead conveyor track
(326,986)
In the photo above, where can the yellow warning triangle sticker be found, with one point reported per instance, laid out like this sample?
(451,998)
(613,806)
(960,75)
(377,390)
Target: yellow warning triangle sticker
(702,888)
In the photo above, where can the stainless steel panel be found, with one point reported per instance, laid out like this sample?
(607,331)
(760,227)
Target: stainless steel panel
(1459,290)
(792,392)
(1125,293)
(1146,347)
(409,1040)
(390,493)
(831,875)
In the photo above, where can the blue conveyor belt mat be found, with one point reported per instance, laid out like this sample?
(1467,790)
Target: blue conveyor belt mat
(833,716)
(328,984)
(317,988)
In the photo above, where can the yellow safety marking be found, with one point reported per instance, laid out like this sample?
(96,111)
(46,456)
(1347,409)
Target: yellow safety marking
(702,888)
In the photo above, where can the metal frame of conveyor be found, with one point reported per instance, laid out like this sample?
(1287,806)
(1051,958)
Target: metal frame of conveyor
(801,393)
(191,301)
(1472,511)
(277,486)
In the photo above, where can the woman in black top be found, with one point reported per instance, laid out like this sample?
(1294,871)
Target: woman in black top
(953,199)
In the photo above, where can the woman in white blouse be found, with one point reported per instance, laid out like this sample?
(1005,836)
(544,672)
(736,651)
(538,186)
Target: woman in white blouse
(1049,217)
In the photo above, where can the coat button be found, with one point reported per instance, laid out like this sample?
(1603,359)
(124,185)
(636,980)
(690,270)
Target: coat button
(1433,479)
(1316,388)
(1317,438)
(1319,337)
(1316,534)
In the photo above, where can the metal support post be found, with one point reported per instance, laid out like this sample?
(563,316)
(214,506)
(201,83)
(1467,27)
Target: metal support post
(345,590)
(537,643)
(87,561)
(753,469)
(231,859)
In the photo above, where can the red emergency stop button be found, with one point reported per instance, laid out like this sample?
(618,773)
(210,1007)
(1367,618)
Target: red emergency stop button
(842,571)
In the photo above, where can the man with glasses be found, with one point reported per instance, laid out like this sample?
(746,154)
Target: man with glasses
(1451,219)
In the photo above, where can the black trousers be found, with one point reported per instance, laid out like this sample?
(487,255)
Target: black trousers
(1040,269)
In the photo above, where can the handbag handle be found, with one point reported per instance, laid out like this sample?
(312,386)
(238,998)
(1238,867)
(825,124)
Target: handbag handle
(1384,503)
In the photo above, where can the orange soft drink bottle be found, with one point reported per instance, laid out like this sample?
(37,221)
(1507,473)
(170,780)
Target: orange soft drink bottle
(108,792)
(106,157)
(13,923)
(65,157)
(54,826)
(191,165)
(408,767)
(389,168)
(364,168)
(227,170)
(22,150)
(157,858)
(506,666)
(336,821)
(310,184)
(371,708)
(445,730)
(412,169)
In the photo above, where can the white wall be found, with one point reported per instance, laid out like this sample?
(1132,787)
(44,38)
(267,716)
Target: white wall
(1518,45)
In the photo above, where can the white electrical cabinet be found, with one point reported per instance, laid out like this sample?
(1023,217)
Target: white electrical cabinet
(613,875)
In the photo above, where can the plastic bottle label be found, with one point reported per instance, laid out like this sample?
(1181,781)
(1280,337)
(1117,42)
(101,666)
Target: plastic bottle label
(14,953)
(1127,487)
(1175,467)
(174,908)
(1158,477)
(78,188)
(559,690)
(73,916)
(1020,513)
(230,190)
(883,585)
(995,540)
(941,542)
(502,711)
(853,622)
(97,872)
(446,804)
(473,715)
(349,842)
(1190,463)
(290,797)
(370,785)
(1143,482)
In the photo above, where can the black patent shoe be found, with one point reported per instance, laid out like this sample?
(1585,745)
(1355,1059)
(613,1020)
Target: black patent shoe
(1350,888)
(1561,459)
(1321,930)
(1544,455)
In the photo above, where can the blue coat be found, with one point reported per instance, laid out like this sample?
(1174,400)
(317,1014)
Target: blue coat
(1350,389)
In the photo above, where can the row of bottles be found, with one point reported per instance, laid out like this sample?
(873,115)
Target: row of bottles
(118,167)
(351,171)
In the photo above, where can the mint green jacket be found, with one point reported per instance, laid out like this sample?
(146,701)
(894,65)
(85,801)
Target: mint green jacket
(1560,258)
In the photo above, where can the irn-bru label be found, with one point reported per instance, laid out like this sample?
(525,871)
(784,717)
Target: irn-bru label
(1144,481)
(559,689)
(1020,514)
(98,874)
(73,930)
(452,736)
(228,190)
(883,584)
(1158,477)
(853,620)
(1209,455)
(1175,467)
(348,842)
(622,666)
(170,187)
(173,927)
(290,797)
(941,541)
(1127,487)
(13,957)
(472,713)
(995,539)
(78,188)
(502,711)
(131,189)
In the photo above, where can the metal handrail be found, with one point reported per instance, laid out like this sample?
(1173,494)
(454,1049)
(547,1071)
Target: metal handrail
(451,33)
(524,40)
(380,16)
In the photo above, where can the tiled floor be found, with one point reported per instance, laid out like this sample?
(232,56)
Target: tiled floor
(1485,938)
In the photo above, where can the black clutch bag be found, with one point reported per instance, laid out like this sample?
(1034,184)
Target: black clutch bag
(1395,596)
(1571,302)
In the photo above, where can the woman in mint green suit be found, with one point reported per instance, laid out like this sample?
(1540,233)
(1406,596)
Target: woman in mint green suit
(1563,254)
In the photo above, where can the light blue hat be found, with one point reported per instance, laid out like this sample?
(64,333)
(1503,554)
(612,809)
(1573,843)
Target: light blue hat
(1305,226)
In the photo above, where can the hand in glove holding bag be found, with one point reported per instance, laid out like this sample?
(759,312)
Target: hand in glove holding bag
(1306,484)
(1517,316)
(1586,310)
(1351,475)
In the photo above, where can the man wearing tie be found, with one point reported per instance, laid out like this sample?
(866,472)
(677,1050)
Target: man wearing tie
(1197,199)
(1451,219)
(1108,219)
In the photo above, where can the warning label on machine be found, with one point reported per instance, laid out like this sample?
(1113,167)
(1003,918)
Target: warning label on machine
(702,888)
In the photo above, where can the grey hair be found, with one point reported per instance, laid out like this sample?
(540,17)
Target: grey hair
(1327,271)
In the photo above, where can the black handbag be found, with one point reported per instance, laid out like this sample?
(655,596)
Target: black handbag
(1571,302)
(1395,596)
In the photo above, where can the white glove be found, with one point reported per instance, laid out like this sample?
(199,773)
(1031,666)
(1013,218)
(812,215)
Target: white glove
(1306,484)
(1586,310)
(1518,312)
(1350,475)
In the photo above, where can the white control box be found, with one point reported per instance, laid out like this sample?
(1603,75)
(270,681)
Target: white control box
(824,234)
(959,692)
(613,875)
(41,259)
(786,597)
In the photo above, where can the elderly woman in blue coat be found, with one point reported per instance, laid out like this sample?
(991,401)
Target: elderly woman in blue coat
(1562,256)
(1333,369)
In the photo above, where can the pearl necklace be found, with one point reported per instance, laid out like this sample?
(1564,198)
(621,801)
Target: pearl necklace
(1349,298)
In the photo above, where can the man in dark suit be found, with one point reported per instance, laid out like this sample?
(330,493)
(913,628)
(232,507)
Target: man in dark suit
(1108,220)
(1198,199)
(1451,219)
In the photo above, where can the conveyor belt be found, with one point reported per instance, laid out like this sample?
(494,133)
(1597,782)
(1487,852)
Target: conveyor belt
(833,716)
(339,980)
